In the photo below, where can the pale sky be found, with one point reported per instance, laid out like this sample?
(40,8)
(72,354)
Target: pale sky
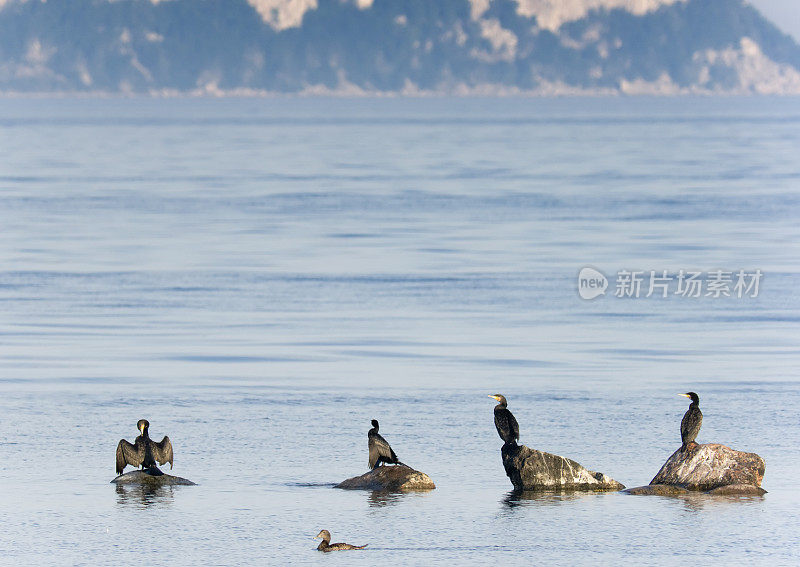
(783,13)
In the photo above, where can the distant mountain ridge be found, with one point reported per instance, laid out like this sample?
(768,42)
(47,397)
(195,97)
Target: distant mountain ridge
(393,46)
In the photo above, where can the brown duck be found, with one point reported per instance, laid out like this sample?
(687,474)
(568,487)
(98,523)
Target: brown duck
(326,545)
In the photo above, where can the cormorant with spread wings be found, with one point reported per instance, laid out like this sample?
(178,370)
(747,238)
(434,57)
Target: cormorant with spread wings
(143,452)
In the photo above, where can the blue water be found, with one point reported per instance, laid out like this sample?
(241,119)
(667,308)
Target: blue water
(261,277)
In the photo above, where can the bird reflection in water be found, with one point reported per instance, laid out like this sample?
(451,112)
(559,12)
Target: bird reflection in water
(143,495)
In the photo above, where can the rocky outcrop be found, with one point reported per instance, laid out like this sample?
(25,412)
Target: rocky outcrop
(530,469)
(396,478)
(151,477)
(708,467)
(711,469)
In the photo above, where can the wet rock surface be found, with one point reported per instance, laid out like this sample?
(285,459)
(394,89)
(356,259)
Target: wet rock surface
(392,478)
(708,467)
(738,490)
(657,490)
(151,477)
(530,469)
(671,490)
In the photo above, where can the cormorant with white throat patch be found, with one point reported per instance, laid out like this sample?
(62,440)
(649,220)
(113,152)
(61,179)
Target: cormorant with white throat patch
(692,420)
(504,421)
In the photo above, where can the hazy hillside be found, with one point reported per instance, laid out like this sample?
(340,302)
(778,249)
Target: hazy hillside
(462,46)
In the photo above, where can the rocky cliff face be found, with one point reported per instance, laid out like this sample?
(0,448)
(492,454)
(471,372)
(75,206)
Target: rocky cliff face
(397,46)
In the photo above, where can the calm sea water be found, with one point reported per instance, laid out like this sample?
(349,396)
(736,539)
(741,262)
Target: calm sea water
(260,278)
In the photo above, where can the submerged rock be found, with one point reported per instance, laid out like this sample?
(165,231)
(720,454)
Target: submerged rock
(709,467)
(673,490)
(530,469)
(738,490)
(390,478)
(658,490)
(151,477)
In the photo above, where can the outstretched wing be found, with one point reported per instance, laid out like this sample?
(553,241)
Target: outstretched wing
(162,452)
(129,454)
(373,454)
(378,447)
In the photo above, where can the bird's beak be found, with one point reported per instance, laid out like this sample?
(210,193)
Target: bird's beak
(685,395)
(495,398)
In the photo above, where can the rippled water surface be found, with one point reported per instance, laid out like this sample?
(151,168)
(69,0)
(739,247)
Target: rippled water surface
(260,278)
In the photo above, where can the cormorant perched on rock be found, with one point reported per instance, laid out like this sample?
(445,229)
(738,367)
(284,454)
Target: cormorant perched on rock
(692,420)
(379,449)
(504,421)
(326,545)
(144,452)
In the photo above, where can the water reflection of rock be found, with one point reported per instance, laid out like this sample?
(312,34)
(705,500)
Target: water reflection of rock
(699,501)
(542,498)
(381,498)
(144,495)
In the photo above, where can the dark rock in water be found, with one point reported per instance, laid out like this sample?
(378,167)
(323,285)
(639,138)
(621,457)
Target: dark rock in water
(673,490)
(151,477)
(738,490)
(530,469)
(708,467)
(658,490)
(393,478)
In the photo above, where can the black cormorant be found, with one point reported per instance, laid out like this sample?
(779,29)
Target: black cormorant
(692,420)
(379,449)
(326,545)
(144,452)
(504,421)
